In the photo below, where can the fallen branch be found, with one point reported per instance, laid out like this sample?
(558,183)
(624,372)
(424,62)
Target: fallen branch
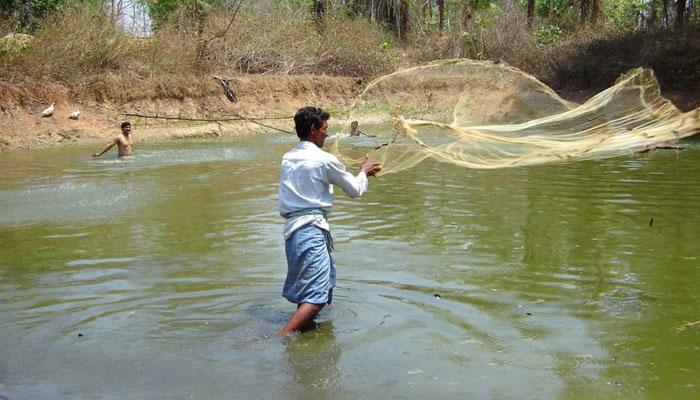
(230,94)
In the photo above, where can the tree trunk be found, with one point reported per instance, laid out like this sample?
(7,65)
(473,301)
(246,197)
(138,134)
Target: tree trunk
(26,13)
(595,11)
(530,12)
(318,10)
(689,10)
(651,22)
(466,15)
(441,16)
(403,20)
(585,10)
(199,20)
(680,13)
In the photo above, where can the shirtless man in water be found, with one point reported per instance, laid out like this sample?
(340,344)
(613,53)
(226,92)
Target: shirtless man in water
(123,141)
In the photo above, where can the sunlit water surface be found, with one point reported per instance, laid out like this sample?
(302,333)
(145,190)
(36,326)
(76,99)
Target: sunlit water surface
(159,277)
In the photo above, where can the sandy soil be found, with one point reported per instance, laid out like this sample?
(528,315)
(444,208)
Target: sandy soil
(23,127)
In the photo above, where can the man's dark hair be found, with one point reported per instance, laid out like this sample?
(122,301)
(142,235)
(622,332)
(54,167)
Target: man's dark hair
(307,117)
(125,124)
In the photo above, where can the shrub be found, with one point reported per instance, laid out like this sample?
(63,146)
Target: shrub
(291,45)
(80,47)
(547,35)
(75,43)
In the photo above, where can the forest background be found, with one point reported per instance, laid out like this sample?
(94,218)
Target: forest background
(125,50)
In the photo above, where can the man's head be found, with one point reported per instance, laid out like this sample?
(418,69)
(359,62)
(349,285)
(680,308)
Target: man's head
(311,124)
(126,127)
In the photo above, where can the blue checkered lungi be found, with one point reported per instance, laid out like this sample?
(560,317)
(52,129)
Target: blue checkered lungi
(310,267)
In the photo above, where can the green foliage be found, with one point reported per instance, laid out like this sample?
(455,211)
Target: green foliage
(552,8)
(469,38)
(75,42)
(27,15)
(488,16)
(160,11)
(79,44)
(41,8)
(453,7)
(12,46)
(623,14)
(547,35)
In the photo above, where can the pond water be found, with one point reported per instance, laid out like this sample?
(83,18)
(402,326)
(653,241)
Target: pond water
(159,277)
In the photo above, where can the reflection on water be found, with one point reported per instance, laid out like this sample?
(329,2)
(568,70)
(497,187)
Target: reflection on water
(159,276)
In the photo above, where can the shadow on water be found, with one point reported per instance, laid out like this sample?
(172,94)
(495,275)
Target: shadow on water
(312,359)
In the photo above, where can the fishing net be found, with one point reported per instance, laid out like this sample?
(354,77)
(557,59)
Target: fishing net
(480,114)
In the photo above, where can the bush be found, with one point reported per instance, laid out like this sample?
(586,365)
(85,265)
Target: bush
(14,43)
(83,49)
(495,34)
(291,45)
(547,35)
(76,43)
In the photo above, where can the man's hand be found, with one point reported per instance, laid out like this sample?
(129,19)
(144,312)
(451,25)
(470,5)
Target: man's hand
(369,168)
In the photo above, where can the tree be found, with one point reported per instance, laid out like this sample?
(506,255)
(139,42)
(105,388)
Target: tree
(653,15)
(403,19)
(590,10)
(595,11)
(318,9)
(394,13)
(680,13)
(199,20)
(28,13)
(159,10)
(466,15)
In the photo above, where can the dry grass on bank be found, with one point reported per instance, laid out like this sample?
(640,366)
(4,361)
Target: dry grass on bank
(490,35)
(276,42)
(79,49)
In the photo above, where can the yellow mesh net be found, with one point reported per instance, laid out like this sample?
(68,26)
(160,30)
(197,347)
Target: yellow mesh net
(480,114)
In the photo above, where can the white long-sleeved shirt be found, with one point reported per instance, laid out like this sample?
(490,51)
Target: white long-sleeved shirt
(307,176)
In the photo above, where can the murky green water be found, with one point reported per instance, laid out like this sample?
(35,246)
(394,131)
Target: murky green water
(159,277)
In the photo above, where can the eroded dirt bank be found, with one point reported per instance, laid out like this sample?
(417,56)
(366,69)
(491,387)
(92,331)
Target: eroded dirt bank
(23,127)
(103,107)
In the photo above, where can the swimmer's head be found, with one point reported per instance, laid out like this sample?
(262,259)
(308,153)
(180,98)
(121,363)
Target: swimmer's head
(126,126)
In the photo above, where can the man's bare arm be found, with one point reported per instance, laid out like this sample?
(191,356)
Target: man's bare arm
(109,146)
